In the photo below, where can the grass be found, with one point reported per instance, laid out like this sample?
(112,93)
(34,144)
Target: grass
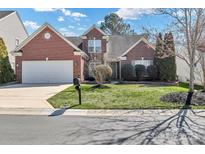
(122,96)
(186,85)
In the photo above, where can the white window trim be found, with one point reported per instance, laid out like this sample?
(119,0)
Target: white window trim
(95,46)
(146,63)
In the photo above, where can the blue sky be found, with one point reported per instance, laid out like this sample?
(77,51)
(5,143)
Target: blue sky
(75,21)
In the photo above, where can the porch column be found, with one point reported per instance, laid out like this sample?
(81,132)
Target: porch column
(120,69)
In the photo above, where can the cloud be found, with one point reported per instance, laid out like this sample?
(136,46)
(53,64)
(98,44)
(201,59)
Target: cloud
(67,12)
(31,24)
(78,14)
(60,19)
(66,32)
(99,22)
(76,19)
(45,9)
(81,28)
(133,14)
(71,27)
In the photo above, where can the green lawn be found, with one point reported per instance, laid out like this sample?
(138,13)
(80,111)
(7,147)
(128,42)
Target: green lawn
(124,96)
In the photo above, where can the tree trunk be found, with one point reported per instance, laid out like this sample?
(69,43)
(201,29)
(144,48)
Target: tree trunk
(203,74)
(204,83)
(191,82)
(191,85)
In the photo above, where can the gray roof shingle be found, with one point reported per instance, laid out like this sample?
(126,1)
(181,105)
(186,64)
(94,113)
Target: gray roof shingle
(77,41)
(5,13)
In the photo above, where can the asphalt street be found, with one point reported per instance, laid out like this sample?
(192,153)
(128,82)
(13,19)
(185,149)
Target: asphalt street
(185,127)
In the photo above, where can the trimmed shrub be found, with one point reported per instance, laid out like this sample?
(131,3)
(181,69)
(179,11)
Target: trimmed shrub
(152,72)
(102,73)
(140,71)
(127,72)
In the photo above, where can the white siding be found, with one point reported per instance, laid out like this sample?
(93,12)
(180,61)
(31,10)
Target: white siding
(183,71)
(11,28)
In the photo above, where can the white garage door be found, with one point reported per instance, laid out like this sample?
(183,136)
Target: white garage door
(47,71)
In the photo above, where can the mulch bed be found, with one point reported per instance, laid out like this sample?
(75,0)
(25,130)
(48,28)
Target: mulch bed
(198,98)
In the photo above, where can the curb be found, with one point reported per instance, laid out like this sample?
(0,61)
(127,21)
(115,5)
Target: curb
(80,112)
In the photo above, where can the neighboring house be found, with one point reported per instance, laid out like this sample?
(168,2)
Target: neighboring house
(12,31)
(183,72)
(49,57)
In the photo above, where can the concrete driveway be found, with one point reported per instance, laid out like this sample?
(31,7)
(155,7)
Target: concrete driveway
(29,95)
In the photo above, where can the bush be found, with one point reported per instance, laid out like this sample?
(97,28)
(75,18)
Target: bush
(152,72)
(127,72)
(102,73)
(167,69)
(139,71)
(6,72)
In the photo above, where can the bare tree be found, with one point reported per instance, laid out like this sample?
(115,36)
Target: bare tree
(189,23)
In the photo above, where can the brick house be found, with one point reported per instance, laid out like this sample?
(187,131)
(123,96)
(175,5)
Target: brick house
(49,57)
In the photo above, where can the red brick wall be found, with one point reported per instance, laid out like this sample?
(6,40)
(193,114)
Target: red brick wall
(139,51)
(55,49)
(98,36)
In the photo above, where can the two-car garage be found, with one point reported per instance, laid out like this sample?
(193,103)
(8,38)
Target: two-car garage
(48,57)
(47,71)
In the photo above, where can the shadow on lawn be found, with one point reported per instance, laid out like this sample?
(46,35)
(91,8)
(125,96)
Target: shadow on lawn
(184,127)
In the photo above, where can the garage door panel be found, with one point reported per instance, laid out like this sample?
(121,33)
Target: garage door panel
(47,71)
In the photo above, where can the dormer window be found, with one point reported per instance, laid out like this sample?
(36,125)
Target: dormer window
(94,46)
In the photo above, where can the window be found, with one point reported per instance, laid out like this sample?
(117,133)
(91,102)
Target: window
(142,62)
(94,46)
(17,42)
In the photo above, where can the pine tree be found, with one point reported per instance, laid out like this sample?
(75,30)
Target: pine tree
(158,53)
(6,72)
(165,57)
(172,56)
(167,64)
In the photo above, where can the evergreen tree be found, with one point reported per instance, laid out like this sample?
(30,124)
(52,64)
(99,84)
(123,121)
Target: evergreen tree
(168,62)
(171,47)
(165,57)
(6,72)
(158,53)
(114,25)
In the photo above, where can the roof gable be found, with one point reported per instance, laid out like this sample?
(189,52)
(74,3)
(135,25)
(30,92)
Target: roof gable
(94,27)
(134,45)
(46,25)
(118,44)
